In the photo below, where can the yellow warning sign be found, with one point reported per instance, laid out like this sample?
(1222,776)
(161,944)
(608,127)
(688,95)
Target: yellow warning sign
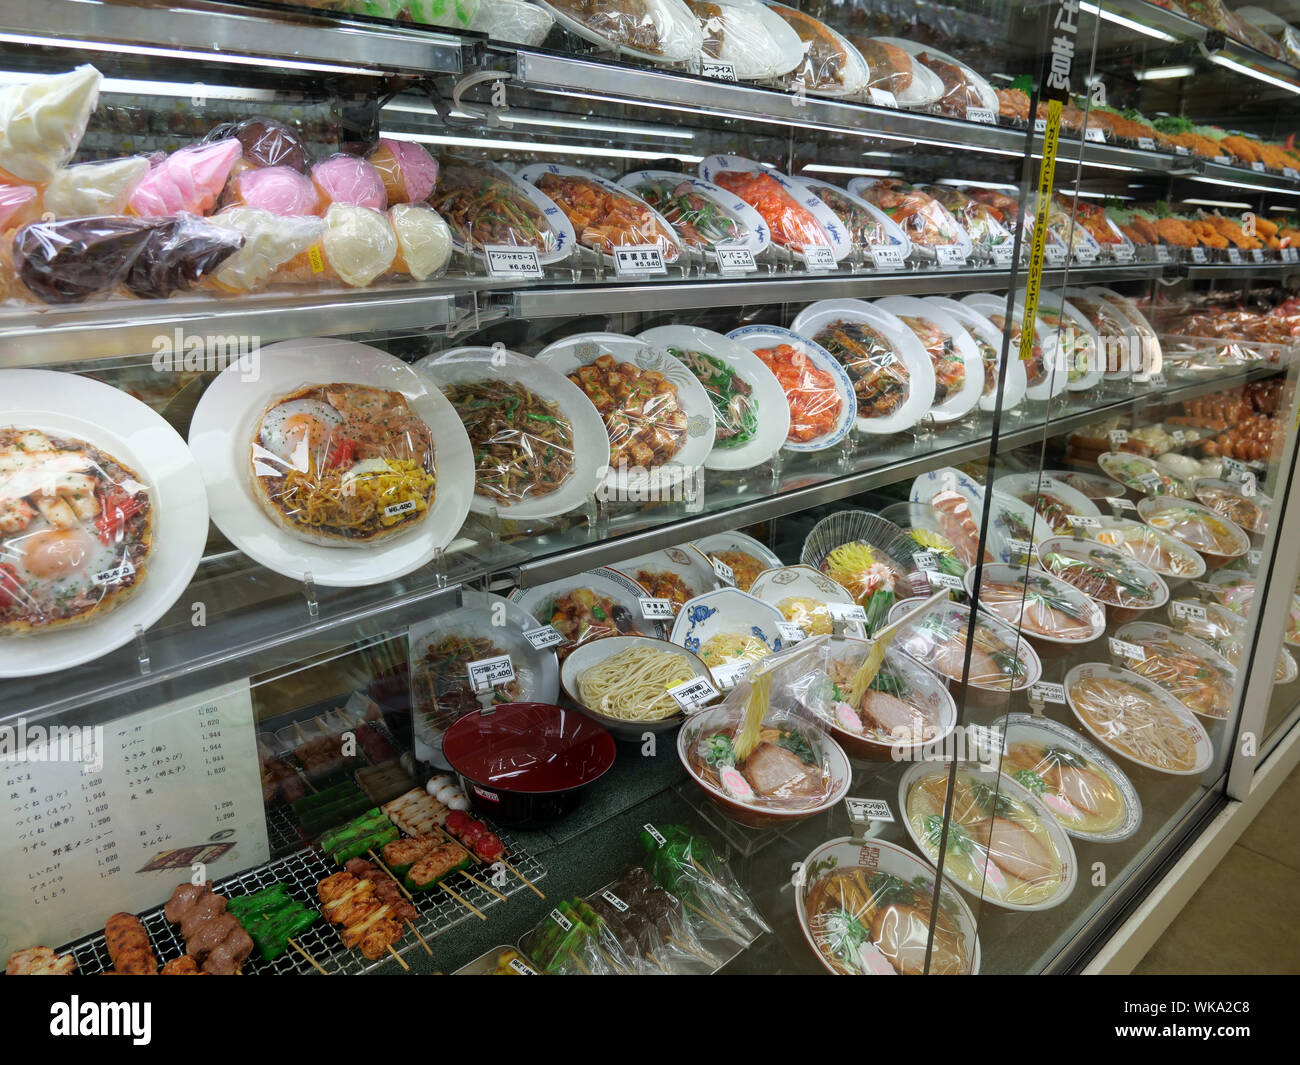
(1046,178)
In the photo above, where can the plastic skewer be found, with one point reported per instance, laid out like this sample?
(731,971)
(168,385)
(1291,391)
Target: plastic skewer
(536,889)
(314,962)
(486,887)
(398,958)
(464,902)
(402,888)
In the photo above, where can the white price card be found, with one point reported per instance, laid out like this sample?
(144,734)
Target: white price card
(1181,608)
(1019,547)
(1118,437)
(1124,253)
(1083,521)
(981,114)
(1086,254)
(116,575)
(790,633)
(1257,166)
(488,673)
(693,693)
(818,257)
(544,637)
(1044,691)
(506,260)
(927,560)
(1223,160)
(1002,253)
(1181,150)
(1120,503)
(656,609)
(719,71)
(400,508)
(724,572)
(1054,254)
(1146,144)
(1095,135)
(1162,254)
(1255,556)
(1124,649)
(1157,380)
(864,811)
(1234,256)
(655,834)
(1257,255)
(1150,480)
(1198,254)
(730,675)
(1040,125)
(639,260)
(882,98)
(1179,437)
(1233,469)
(887,256)
(521,968)
(946,580)
(1291,172)
(614,901)
(847,612)
(734,259)
(949,256)
(561,920)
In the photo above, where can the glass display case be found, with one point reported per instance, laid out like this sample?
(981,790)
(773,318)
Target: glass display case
(645,486)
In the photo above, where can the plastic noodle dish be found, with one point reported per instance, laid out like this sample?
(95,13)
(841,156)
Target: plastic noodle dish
(1250,512)
(784,769)
(1199,528)
(865,229)
(76,531)
(999,844)
(889,710)
(1103,574)
(1131,718)
(815,402)
(949,366)
(633,684)
(791,224)
(343,464)
(735,410)
(605,217)
(1144,475)
(699,221)
(867,574)
(484,206)
(1201,685)
(729,648)
(646,423)
(1154,549)
(880,378)
(1079,793)
(523,446)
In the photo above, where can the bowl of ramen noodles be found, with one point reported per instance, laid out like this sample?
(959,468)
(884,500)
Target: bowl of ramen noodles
(625,683)
(1080,785)
(1191,671)
(1156,550)
(1251,512)
(868,909)
(1223,632)
(1002,845)
(1051,612)
(1138,719)
(1215,538)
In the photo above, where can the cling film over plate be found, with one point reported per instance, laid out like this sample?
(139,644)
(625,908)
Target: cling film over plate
(926,222)
(1196,681)
(748,35)
(976,218)
(830,64)
(865,230)
(342,464)
(868,574)
(1105,575)
(1000,660)
(642,411)
(76,530)
(661,29)
(949,366)
(483,205)
(523,445)
(815,402)
(962,90)
(791,224)
(606,217)
(699,220)
(735,410)
(880,378)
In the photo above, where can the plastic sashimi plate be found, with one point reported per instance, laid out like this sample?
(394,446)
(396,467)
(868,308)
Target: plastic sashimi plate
(222,432)
(68,405)
(959,402)
(589,440)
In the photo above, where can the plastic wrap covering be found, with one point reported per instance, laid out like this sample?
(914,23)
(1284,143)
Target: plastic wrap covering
(278,189)
(697,219)
(179,254)
(949,366)
(1155,550)
(191,180)
(440,687)
(483,205)
(918,214)
(581,614)
(830,64)
(453,14)
(1036,368)
(1289,39)
(735,413)
(961,90)
(1227,498)
(1000,660)
(523,446)
(864,229)
(1040,605)
(270,242)
(1136,720)
(265,142)
(1194,679)
(94,188)
(880,378)
(1199,528)
(605,216)
(423,240)
(1081,794)
(73,260)
(42,122)
(651,926)
(869,575)
(19,204)
(642,411)
(689,868)
(791,224)
(1105,575)
(815,403)
(76,531)
(343,464)
(890,66)
(408,172)
(575,940)
(750,36)
(977,219)
(659,29)
(744,566)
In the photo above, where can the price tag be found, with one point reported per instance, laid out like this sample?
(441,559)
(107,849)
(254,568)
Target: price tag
(1083,521)
(1162,254)
(790,633)
(490,672)
(1047,692)
(724,572)
(949,255)
(926,560)
(981,114)
(116,575)
(1040,125)
(863,811)
(1120,503)
(1181,608)
(400,508)
(735,260)
(1233,468)
(1180,150)
(1179,437)
(818,257)
(655,834)
(1019,547)
(1257,166)
(1150,480)
(1291,172)
(1198,254)
(1086,254)
(1124,253)
(1234,256)
(1157,380)
(692,693)
(1146,144)
(1124,649)
(1097,136)
(508,261)
(1248,488)
(847,612)
(883,98)
(1205,588)
(614,901)
(719,71)
(656,609)
(887,256)
(522,968)
(730,675)
(1054,254)
(1255,557)
(1257,255)
(946,580)
(1291,255)
(1223,160)
(546,636)
(638,260)
(1118,437)
(561,920)
(1002,253)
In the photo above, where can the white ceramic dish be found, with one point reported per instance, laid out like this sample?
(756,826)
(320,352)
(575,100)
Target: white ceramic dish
(737,541)
(1022,484)
(981,328)
(1052,382)
(1077,341)
(755,237)
(782,583)
(684,564)
(624,596)
(960,403)
(566,240)
(755,40)
(855,76)
(894,236)
(919,252)
(986,92)
(680,38)
(725,612)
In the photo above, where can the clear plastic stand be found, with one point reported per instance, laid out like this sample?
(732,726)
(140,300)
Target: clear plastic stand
(777,466)
(848,450)
(142,652)
(923,432)
(440,567)
(309,593)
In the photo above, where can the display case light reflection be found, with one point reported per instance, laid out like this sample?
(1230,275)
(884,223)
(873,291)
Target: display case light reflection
(1127,23)
(537,148)
(577,124)
(1258,75)
(182,89)
(828,168)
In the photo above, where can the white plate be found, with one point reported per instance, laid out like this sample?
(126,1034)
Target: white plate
(773,410)
(590,441)
(680,37)
(1124,346)
(920,393)
(893,234)
(837,237)
(1053,383)
(1088,341)
(726,612)
(1152,356)
(926,87)
(117,423)
(977,324)
(685,563)
(738,541)
(622,591)
(784,582)
(757,337)
(757,41)
(1106,736)
(923,252)
(222,431)
(1138,631)
(959,405)
(756,237)
(567,355)
(513,21)
(1018,484)
(985,90)
(856,74)
(534,172)
(565,238)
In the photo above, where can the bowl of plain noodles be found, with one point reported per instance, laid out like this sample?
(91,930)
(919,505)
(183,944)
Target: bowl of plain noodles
(625,683)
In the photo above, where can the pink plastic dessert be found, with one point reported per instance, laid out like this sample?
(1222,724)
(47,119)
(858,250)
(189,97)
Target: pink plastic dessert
(188,180)
(278,189)
(408,171)
(348,180)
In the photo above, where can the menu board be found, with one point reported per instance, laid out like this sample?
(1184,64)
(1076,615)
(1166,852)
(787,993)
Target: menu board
(100,819)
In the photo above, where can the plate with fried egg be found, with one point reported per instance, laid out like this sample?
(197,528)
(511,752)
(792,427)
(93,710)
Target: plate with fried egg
(103,520)
(334,461)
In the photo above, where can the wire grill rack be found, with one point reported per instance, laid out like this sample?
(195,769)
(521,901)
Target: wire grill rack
(301,872)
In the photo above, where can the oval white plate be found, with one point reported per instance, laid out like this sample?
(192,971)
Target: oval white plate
(756,337)
(1152,356)
(567,355)
(621,591)
(565,238)
(914,49)
(958,406)
(738,541)
(926,87)
(923,252)
(756,40)
(772,407)
(1171,544)
(590,441)
(920,391)
(1053,383)
(755,238)
(893,234)
(976,323)
(680,36)
(221,434)
(855,79)
(117,423)
(1089,340)
(1018,484)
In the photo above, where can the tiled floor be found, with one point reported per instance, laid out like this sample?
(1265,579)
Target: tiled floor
(1243,919)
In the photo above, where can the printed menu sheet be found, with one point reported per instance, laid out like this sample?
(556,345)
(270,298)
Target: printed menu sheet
(111,818)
